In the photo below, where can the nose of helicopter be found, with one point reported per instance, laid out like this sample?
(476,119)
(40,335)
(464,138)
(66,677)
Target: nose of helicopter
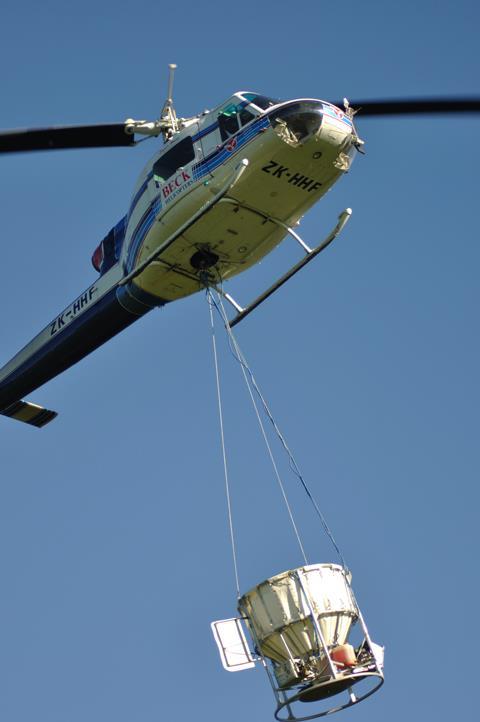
(302,119)
(299,121)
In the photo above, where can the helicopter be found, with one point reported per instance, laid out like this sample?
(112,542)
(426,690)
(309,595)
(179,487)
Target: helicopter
(224,189)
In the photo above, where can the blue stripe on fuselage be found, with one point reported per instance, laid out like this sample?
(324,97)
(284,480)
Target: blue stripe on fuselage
(144,186)
(143,226)
(201,134)
(199,170)
(140,193)
(206,131)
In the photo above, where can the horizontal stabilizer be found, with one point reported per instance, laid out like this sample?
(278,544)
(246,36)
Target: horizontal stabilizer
(29,413)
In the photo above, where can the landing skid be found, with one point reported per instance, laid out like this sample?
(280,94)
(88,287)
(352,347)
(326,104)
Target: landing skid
(222,197)
(310,255)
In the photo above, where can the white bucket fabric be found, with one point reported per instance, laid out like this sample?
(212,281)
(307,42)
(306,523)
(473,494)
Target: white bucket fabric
(280,610)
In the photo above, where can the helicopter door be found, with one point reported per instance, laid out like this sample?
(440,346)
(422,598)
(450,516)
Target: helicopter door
(172,171)
(230,120)
(210,136)
(197,143)
(228,123)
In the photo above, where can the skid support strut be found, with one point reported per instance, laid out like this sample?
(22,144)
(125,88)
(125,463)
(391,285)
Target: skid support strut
(310,255)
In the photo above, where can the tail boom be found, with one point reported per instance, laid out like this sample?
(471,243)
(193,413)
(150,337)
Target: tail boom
(74,334)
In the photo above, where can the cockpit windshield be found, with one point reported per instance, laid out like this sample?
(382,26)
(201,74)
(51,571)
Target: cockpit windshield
(261,101)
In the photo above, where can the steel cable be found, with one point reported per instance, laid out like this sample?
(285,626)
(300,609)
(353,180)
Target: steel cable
(222,436)
(239,356)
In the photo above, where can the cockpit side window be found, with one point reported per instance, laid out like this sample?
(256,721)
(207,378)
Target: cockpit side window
(245,116)
(228,125)
(179,156)
(232,119)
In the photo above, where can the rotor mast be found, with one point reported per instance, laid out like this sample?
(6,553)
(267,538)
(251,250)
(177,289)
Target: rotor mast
(168,124)
(169,117)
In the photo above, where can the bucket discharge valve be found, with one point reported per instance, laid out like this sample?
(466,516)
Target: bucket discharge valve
(309,634)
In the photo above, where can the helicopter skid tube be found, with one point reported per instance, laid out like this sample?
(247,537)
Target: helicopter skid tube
(311,254)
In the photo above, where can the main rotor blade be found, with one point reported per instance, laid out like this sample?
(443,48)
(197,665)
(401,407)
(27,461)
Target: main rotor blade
(74,136)
(415,106)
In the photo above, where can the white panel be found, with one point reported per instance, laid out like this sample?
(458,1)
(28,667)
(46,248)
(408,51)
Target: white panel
(232,645)
(328,588)
(280,601)
(378,653)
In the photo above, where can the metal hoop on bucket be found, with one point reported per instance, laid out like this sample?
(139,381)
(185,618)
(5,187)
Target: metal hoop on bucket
(331,710)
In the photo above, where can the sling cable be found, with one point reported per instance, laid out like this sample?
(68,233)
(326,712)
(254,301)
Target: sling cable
(305,626)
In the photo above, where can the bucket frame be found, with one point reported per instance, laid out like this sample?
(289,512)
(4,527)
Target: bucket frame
(333,680)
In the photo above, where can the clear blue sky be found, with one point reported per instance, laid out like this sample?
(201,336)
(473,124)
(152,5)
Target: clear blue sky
(114,551)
